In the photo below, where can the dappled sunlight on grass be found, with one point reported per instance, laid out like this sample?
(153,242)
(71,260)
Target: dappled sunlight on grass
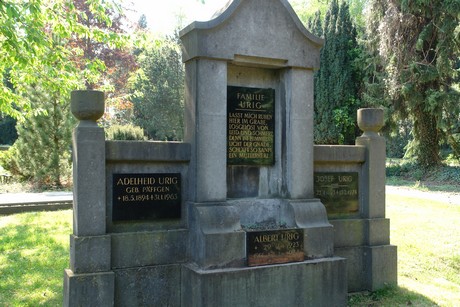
(34,249)
(390,297)
(427,233)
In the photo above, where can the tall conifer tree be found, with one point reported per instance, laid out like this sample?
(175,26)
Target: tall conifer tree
(44,141)
(337,81)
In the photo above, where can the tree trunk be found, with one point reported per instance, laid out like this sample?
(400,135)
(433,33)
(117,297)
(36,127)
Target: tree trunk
(427,135)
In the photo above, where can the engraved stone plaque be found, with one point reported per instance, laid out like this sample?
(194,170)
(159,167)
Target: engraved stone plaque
(339,192)
(250,126)
(146,196)
(274,246)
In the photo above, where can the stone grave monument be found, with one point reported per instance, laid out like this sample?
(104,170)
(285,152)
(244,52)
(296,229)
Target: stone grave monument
(232,216)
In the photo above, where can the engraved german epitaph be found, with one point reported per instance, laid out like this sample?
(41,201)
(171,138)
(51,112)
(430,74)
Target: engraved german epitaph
(338,191)
(250,126)
(274,246)
(146,196)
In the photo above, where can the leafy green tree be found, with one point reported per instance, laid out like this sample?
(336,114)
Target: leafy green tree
(158,91)
(29,54)
(117,59)
(418,46)
(338,80)
(69,59)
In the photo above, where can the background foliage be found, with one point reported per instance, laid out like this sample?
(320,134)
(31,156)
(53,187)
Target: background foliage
(400,55)
(338,79)
(158,90)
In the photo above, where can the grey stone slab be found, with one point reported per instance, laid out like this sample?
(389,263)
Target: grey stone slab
(355,267)
(148,286)
(137,249)
(373,175)
(319,242)
(381,266)
(310,283)
(377,232)
(89,181)
(206,129)
(216,237)
(90,289)
(245,26)
(147,151)
(90,254)
(349,232)
(309,213)
(339,154)
(299,133)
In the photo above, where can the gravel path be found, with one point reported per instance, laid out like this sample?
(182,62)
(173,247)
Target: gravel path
(452,198)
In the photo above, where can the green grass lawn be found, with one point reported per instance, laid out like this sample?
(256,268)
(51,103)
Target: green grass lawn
(34,250)
(427,233)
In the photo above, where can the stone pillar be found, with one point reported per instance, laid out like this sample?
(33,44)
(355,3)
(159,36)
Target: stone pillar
(216,238)
(206,117)
(89,280)
(299,132)
(380,257)
(370,121)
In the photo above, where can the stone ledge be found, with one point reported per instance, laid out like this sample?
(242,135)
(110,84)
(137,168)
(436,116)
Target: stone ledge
(339,154)
(133,151)
(139,249)
(320,282)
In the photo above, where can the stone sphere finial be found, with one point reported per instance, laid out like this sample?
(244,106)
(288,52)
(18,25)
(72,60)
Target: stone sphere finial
(370,120)
(87,104)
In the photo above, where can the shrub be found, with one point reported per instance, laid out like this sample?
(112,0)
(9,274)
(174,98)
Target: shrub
(125,133)
(7,160)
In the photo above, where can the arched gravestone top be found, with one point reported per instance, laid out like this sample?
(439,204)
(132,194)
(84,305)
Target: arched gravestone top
(254,32)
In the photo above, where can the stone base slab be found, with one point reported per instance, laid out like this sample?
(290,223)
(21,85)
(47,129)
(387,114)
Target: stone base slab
(381,266)
(148,286)
(320,282)
(91,289)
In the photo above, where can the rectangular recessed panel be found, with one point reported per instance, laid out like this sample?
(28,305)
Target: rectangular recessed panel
(339,192)
(274,246)
(250,126)
(146,196)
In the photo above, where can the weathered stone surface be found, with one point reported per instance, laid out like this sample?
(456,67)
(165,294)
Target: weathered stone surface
(378,232)
(90,254)
(374,167)
(356,267)
(139,151)
(148,286)
(381,266)
(349,232)
(137,249)
(89,181)
(335,153)
(205,120)
(310,283)
(90,289)
(299,133)
(239,32)
(216,237)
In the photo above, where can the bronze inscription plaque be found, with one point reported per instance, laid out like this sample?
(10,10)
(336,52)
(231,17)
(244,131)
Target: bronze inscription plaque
(250,126)
(146,196)
(339,192)
(274,246)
